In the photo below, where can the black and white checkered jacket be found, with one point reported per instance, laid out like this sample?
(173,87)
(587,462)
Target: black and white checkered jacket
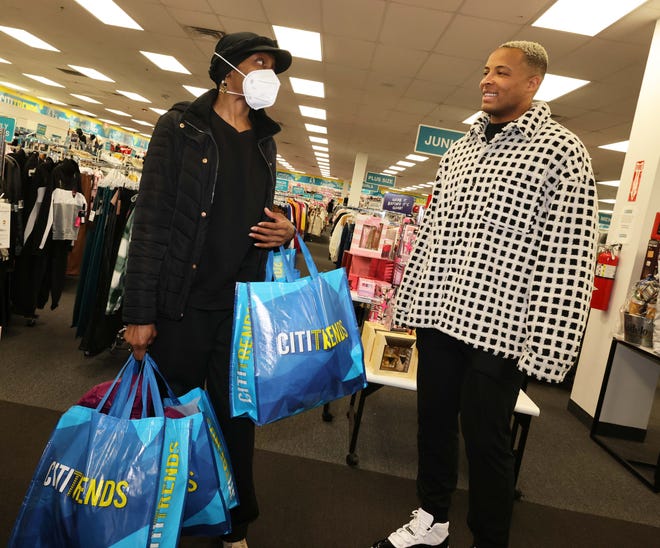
(505,255)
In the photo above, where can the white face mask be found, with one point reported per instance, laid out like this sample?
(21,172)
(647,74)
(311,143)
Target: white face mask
(260,86)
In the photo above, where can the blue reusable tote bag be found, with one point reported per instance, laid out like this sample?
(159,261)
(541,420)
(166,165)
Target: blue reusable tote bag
(101,480)
(295,345)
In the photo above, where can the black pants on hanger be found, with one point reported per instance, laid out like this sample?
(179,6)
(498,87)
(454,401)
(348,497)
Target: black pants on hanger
(456,379)
(193,352)
(53,281)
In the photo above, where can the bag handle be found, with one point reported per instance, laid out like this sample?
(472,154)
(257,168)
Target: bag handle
(287,263)
(309,261)
(128,371)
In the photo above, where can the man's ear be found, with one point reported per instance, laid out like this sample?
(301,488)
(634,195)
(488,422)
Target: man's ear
(534,83)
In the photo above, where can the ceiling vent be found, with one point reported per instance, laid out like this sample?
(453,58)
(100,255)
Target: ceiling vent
(201,32)
(71,72)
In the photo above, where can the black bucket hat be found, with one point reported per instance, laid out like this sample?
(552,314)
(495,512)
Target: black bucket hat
(238,46)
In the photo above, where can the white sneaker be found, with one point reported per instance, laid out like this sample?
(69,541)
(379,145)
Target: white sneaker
(418,532)
(235,544)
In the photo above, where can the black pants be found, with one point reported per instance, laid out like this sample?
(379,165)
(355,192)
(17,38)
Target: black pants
(195,352)
(455,379)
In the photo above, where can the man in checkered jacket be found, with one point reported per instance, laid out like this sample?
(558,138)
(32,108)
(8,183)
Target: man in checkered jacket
(498,287)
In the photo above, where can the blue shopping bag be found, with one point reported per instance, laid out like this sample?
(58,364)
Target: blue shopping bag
(276,267)
(295,344)
(107,480)
(211,488)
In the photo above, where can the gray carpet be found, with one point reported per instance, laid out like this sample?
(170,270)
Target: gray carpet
(563,468)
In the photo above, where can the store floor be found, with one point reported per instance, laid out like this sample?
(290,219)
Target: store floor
(574,494)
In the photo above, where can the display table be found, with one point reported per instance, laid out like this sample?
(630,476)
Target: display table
(524,411)
(623,412)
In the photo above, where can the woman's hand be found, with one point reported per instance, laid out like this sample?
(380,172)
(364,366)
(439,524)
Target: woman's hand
(140,337)
(273,233)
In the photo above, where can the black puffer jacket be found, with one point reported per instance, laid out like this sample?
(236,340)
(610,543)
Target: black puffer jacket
(171,215)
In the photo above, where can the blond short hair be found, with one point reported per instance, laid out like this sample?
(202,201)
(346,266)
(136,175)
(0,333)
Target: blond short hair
(535,53)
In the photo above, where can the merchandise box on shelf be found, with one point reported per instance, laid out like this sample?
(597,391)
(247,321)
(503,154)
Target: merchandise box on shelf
(374,237)
(389,352)
(358,267)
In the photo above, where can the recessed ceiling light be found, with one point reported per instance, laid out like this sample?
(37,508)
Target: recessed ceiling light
(53,101)
(43,80)
(147,135)
(554,86)
(159,111)
(322,155)
(605,210)
(27,38)
(405,164)
(389,172)
(92,73)
(142,122)
(320,140)
(586,17)
(621,146)
(5,61)
(130,129)
(85,112)
(307,87)
(321,148)
(301,43)
(117,112)
(609,183)
(196,91)
(86,99)
(416,158)
(108,121)
(608,201)
(165,62)
(397,168)
(472,119)
(109,13)
(312,112)
(316,129)
(134,96)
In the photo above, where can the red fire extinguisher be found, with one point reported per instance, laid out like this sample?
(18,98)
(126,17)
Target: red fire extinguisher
(606,264)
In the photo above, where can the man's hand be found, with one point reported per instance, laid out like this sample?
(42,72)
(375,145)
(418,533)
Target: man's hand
(273,233)
(140,337)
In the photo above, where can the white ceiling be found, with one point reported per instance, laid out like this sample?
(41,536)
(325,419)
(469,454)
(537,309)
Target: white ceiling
(388,65)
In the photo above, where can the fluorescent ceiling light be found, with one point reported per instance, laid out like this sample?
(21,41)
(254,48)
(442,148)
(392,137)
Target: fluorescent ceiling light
(472,119)
(142,122)
(307,87)
(134,96)
(321,140)
(109,13)
(91,73)
(316,129)
(321,148)
(609,183)
(301,43)
(405,164)
(27,38)
(312,112)
(108,121)
(165,62)
(397,168)
(196,91)
(417,158)
(322,155)
(53,101)
(390,172)
(117,112)
(85,112)
(605,211)
(130,129)
(147,135)
(159,111)
(586,17)
(5,61)
(608,201)
(554,86)
(43,80)
(86,99)
(621,146)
